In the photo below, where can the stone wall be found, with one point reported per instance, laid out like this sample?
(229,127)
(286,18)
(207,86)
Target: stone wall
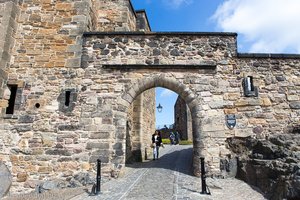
(42,130)
(277,79)
(115,15)
(47,136)
(148,122)
(142,23)
(76,92)
(183,120)
(8,25)
(219,90)
(158,48)
(140,127)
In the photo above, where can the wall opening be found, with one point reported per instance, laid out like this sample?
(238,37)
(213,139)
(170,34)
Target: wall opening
(191,100)
(249,89)
(12,99)
(165,119)
(67,98)
(143,118)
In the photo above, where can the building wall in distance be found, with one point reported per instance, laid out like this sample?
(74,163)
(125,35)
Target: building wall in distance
(183,120)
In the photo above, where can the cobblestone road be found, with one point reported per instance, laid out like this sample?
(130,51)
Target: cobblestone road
(169,178)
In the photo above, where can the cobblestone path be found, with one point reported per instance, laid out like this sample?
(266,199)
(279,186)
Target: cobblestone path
(167,178)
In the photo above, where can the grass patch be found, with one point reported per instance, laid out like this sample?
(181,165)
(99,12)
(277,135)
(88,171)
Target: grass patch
(166,141)
(185,142)
(181,142)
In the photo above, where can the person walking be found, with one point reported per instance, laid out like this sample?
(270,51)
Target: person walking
(172,138)
(156,143)
(177,137)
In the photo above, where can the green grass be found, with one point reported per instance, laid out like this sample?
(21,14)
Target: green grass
(185,142)
(165,141)
(181,142)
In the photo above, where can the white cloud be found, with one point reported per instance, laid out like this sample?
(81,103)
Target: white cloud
(174,4)
(271,26)
(167,93)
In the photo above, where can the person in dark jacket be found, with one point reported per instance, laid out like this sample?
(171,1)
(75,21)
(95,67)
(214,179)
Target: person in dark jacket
(156,143)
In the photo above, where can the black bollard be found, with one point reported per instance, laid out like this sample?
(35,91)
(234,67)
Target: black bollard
(98,178)
(203,177)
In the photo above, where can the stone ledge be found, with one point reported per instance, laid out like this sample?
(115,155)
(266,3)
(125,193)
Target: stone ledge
(268,55)
(87,34)
(136,66)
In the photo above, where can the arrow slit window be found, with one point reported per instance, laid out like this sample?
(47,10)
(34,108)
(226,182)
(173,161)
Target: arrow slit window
(249,89)
(12,99)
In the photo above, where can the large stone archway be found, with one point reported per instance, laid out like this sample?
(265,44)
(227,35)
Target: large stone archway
(72,89)
(184,92)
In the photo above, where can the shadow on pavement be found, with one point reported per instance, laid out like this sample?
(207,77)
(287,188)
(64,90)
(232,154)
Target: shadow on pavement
(177,160)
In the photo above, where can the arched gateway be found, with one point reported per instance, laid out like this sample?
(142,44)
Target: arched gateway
(124,65)
(71,86)
(162,80)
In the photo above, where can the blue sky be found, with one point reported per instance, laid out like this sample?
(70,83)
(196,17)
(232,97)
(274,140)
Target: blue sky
(263,26)
(166,98)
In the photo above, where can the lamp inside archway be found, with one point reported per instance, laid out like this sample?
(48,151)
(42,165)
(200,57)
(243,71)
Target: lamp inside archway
(159,108)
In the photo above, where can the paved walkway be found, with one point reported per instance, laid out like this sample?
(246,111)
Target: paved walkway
(168,178)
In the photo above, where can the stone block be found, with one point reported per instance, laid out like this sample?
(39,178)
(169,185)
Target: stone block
(62,152)
(218,104)
(257,121)
(217,134)
(23,128)
(74,48)
(95,145)
(230,111)
(6,179)
(3,103)
(292,97)
(94,158)
(99,135)
(85,166)
(42,58)
(22,177)
(73,63)
(295,105)
(213,127)
(63,6)
(243,132)
(26,119)
(265,102)
(232,96)
(247,102)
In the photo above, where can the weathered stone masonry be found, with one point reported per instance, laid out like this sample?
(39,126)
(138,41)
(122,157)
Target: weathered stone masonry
(215,91)
(81,93)
(49,135)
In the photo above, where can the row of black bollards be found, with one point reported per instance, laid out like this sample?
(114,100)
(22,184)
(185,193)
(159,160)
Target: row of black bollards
(203,178)
(96,189)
